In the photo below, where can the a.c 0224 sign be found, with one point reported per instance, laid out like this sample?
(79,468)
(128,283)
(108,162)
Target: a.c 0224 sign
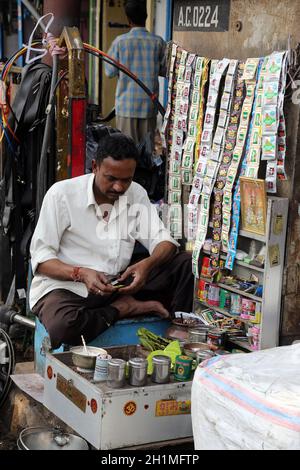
(204,16)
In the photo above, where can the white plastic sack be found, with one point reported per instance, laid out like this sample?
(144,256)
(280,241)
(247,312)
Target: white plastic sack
(248,401)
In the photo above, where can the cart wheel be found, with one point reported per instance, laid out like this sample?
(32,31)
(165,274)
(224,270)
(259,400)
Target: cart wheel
(7,365)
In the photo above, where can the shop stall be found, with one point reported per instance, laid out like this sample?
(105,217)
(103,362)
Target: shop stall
(225,139)
(225,136)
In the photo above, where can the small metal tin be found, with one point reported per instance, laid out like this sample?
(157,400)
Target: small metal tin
(183,368)
(138,372)
(116,373)
(198,335)
(202,356)
(161,369)
(216,339)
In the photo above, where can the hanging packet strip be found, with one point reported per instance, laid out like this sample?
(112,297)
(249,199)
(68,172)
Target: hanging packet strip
(253,152)
(230,141)
(170,128)
(200,122)
(217,70)
(184,76)
(216,155)
(249,74)
(281,174)
(235,222)
(272,115)
(213,161)
(206,134)
(190,144)
(167,116)
(174,153)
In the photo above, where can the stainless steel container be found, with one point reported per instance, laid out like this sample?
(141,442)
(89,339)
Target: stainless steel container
(161,369)
(39,438)
(198,335)
(116,373)
(138,372)
(202,356)
(85,359)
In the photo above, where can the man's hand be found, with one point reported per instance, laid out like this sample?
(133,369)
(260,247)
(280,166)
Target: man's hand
(139,272)
(96,282)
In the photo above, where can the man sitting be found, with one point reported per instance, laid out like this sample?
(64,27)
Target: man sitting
(85,238)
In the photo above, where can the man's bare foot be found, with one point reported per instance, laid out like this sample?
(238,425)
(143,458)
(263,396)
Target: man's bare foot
(129,307)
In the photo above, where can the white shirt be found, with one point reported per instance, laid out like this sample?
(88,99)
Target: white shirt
(71,229)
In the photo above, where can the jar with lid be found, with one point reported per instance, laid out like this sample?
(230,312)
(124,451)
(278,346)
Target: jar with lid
(216,339)
(138,372)
(198,335)
(116,373)
(177,333)
(183,368)
(161,369)
(202,356)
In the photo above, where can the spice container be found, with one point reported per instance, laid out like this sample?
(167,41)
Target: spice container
(116,373)
(183,368)
(177,333)
(202,356)
(216,339)
(138,372)
(198,335)
(161,369)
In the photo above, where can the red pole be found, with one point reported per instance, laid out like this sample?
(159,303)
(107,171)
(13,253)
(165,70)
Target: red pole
(67,14)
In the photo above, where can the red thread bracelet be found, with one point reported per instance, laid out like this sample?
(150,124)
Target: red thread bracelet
(75,274)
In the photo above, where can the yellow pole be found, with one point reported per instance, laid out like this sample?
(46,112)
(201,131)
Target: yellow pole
(150,11)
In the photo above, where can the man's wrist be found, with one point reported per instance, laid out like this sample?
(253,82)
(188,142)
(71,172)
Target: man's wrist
(149,263)
(77,274)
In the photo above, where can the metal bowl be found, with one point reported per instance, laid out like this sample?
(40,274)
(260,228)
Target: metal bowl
(191,349)
(82,360)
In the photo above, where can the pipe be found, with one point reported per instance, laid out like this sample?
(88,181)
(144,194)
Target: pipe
(24,321)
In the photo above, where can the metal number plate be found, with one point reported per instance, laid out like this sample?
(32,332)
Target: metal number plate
(172,408)
(205,16)
(67,388)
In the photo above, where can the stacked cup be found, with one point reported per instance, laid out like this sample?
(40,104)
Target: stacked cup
(101,368)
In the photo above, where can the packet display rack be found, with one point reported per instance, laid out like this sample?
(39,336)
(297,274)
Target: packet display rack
(270,277)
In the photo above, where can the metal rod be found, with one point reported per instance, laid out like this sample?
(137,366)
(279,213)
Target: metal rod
(42,171)
(33,11)
(24,321)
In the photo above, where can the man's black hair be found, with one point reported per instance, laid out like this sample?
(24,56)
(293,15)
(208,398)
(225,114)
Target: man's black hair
(117,146)
(136,11)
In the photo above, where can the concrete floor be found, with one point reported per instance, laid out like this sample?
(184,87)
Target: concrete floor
(21,411)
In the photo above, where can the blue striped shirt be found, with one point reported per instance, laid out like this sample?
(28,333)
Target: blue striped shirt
(143,53)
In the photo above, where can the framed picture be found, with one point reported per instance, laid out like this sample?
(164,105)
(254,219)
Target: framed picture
(253,205)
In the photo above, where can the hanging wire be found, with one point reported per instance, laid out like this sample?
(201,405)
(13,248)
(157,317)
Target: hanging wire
(3,121)
(91,50)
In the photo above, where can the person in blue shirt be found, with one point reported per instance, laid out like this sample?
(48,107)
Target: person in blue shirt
(143,53)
